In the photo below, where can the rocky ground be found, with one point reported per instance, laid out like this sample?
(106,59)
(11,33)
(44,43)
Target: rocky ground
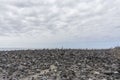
(60,64)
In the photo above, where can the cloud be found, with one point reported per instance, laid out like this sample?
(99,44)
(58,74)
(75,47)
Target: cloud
(50,21)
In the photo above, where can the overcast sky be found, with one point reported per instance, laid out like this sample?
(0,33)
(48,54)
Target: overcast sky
(57,23)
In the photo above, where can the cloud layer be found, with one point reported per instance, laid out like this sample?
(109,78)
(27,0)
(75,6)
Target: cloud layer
(56,21)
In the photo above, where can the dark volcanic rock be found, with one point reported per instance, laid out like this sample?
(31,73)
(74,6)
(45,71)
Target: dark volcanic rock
(60,64)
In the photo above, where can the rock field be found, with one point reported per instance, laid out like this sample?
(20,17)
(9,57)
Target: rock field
(60,64)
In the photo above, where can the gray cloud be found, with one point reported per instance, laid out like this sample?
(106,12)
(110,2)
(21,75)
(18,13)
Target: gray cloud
(56,20)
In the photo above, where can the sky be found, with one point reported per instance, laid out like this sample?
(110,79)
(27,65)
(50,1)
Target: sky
(59,23)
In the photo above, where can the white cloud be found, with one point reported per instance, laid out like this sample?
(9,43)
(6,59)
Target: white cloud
(50,21)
